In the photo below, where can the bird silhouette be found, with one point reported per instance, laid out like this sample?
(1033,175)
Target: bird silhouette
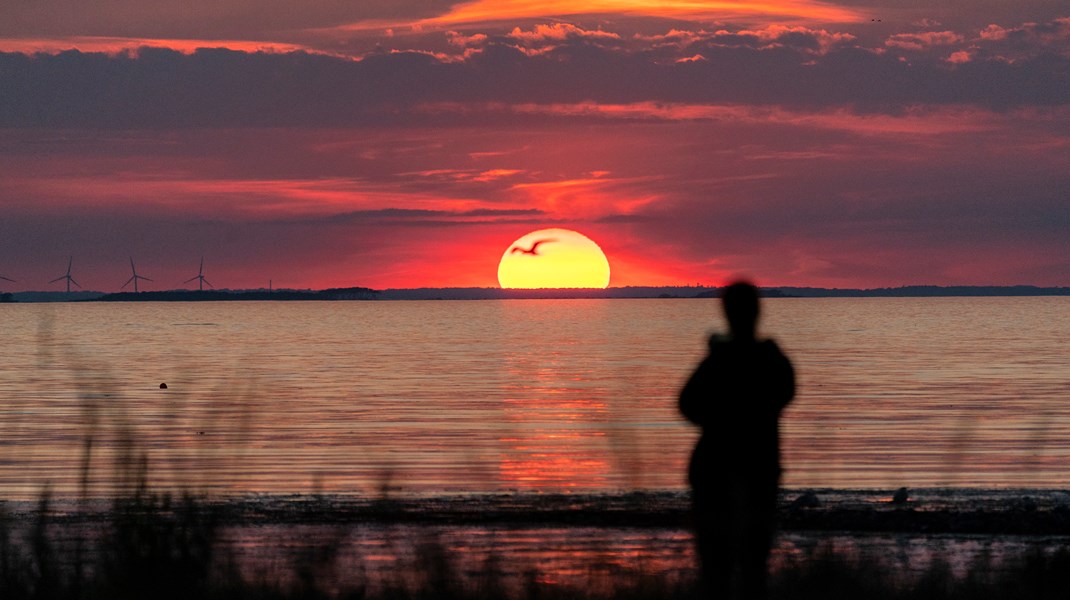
(534,250)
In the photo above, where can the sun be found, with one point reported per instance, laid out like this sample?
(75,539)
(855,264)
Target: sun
(553,258)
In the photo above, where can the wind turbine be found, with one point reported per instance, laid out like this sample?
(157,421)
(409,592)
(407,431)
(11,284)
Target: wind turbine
(68,277)
(200,278)
(134,277)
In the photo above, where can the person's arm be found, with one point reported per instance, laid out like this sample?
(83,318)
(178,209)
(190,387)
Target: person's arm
(695,396)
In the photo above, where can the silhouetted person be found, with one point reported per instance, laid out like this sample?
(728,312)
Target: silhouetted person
(736,395)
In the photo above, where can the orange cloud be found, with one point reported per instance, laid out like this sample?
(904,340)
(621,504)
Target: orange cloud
(502,10)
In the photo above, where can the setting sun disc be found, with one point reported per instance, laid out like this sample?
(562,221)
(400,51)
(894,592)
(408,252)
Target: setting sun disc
(553,258)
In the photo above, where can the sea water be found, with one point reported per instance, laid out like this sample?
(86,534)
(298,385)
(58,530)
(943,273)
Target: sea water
(576,396)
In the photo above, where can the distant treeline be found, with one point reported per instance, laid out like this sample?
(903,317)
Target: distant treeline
(926,291)
(915,291)
(362,293)
(352,293)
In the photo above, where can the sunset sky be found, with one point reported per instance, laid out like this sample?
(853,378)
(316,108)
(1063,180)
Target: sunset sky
(408,143)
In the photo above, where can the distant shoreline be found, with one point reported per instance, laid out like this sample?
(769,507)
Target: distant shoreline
(968,511)
(666,292)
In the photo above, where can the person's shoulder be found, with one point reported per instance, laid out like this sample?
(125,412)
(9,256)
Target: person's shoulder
(719,338)
(719,341)
(769,345)
(770,351)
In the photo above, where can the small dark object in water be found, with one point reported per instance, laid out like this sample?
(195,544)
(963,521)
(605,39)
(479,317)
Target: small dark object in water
(902,496)
(200,433)
(163,386)
(807,499)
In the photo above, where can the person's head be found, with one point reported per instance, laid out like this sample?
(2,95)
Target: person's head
(740,301)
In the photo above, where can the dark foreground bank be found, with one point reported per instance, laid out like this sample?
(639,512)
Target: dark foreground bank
(923,511)
(524,546)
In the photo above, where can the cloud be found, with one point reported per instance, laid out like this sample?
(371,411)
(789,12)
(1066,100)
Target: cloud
(959,57)
(796,197)
(541,35)
(924,40)
(539,39)
(800,69)
(995,33)
(114,46)
(813,41)
(201,18)
(483,11)
(586,197)
(429,217)
(803,39)
(812,154)
(467,175)
(926,23)
(1029,40)
(678,38)
(914,121)
(459,39)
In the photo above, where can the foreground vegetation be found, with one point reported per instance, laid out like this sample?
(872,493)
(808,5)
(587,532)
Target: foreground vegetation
(154,546)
